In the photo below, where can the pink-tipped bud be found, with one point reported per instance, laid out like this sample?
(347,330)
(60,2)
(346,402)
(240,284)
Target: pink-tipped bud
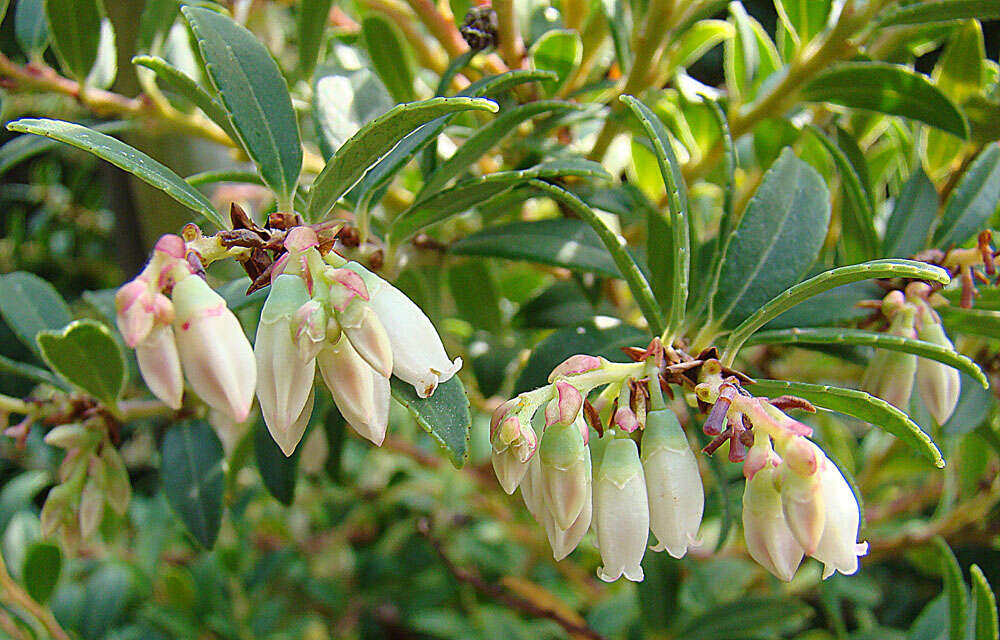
(135,310)
(802,457)
(513,447)
(625,419)
(361,393)
(346,286)
(160,365)
(499,414)
(171,245)
(216,356)
(310,323)
(575,365)
(565,407)
(300,239)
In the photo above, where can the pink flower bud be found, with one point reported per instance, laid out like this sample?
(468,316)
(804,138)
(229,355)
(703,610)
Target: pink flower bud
(300,239)
(361,393)
(284,379)
(513,447)
(769,540)
(171,245)
(134,310)
(575,365)
(347,285)
(565,407)
(499,414)
(160,365)
(216,356)
(621,512)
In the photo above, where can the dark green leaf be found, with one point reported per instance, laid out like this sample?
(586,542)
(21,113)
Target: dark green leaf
(31,28)
(474,289)
(180,82)
(373,141)
(105,600)
(857,404)
(18,493)
(567,243)
(973,201)
(29,372)
(42,563)
(913,214)
(312,22)
(886,88)
(86,355)
(564,304)
(389,56)
(487,137)
(776,241)
(891,342)
(29,304)
(125,157)
(939,11)
(75,29)
(831,307)
(559,51)
(747,618)
(252,89)
(444,415)
(191,470)
(278,472)
(605,340)
(954,588)
(986,605)
(976,322)
(465,195)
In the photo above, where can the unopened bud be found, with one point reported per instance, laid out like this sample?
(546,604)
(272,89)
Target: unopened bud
(117,486)
(367,335)
(575,365)
(56,508)
(160,365)
(565,470)
(72,436)
(673,484)
(621,512)
(890,373)
(565,407)
(513,447)
(310,322)
(802,504)
(92,503)
(939,384)
(769,539)
(361,393)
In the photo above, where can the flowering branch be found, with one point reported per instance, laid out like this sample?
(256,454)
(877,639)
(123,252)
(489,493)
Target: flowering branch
(498,593)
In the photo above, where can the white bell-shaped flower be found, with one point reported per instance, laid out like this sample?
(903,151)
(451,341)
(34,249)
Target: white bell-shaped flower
(768,538)
(284,379)
(215,354)
(361,393)
(838,547)
(801,493)
(621,511)
(160,365)
(565,472)
(673,483)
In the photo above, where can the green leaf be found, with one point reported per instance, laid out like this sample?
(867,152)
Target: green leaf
(3,9)
(107,596)
(939,11)
(373,141)
(913,214)
(31,28)
(776,241)
(890,89)
(698,40)
(973,202)
(389,56)
(252,89)
(495,85)
(75,29)
(463,196)
(183,84)
(804,20)
(838,335)
(87,356)
(125,157)
(444,415)
(203,178)
(102,75)
(487,137)
(21,148)
(560,51)
(954,587)
(278,472)
(858,220)
(759,614)
(605,340)
(312,21)
(566,243)
(824,282)
(673,181)
(473,286)
(975,322)
(29,304)
(986,605)
(40,572)
(191,470)
(29,372)
(19,492)
(857,404)
(343,101)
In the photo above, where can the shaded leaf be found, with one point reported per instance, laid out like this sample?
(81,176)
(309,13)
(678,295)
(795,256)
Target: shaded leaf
(913,213)
(973,202)
(75,29)
(444,415)
(29,304)
(278,472)
(312,21)
(389,56)
(40,573)
(191,471)
(86,355)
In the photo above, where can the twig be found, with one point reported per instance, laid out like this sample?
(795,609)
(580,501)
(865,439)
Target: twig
(17,595)
(500,594)
(511,44)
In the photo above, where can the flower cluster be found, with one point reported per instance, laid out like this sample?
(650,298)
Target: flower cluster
(638,473)
(322,312)
(573,480)
(891,374)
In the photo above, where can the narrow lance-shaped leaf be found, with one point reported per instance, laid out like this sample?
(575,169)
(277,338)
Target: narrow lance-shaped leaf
(673,180)
(125,157)
(913,214)
(373,141)
(31,28)
(973,201)
(312,21)
(183,84)
(75,29)
(986,606)
(858,234)
(886,88)
(389,56)
(939,11)
(255,95)
(823,282)
(837,335)
(857,404)
(954,588)
(444,415)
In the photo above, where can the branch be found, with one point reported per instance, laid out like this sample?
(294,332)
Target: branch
(500,594)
